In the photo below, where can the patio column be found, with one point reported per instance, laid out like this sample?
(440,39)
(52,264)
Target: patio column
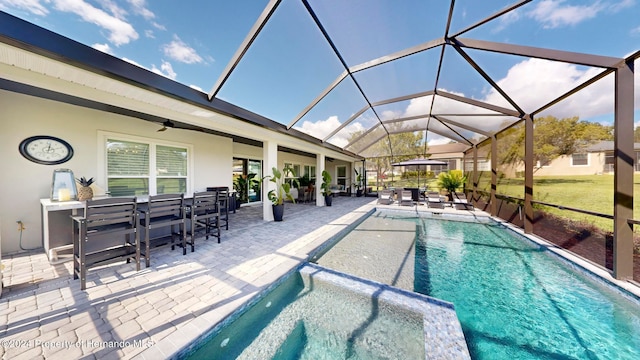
(320,159)
(270,160)
(528,174)
(475,175)
(624,156)
(493,206)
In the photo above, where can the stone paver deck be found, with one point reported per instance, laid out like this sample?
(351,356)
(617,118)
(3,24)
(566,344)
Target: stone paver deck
(155,312)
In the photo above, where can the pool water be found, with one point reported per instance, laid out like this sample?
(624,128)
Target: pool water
(308,318)
(513,298)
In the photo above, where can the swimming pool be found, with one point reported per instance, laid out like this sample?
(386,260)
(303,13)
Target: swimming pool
(513,297)
(317,313)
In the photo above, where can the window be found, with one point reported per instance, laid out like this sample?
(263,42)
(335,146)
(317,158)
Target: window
(341,175)
(579,159)
(310,171)
(142,167)
(296,172)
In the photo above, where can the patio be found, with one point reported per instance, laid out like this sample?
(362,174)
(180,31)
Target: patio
(151,314)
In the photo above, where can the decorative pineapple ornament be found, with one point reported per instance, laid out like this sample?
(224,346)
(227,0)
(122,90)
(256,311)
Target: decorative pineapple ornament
(85,192)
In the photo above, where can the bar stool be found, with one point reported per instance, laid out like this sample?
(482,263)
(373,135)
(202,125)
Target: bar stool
(164,211)
(204,213)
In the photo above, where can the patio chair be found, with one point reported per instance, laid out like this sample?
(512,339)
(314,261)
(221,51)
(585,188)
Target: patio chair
(108,232)
(460,201)
(204,214)
(162,212)
(406,197)
(434,201)
(223,199)
(385,197)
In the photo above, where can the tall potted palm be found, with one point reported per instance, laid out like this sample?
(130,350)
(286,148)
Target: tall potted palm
(326,187)
(452,181)
(281,192)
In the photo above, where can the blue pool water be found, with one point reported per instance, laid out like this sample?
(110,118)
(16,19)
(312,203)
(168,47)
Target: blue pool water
(317,313)
(513,298)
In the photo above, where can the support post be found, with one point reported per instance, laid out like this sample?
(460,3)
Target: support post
(624,157)
(493,206)
(475,175)
(528,174)
(270,160)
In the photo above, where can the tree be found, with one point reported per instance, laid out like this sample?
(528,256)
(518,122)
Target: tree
(405,146)
(636,134)
(552,137)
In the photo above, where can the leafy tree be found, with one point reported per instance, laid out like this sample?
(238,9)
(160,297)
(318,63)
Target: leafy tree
(636,134)
(552,138)
(405,146)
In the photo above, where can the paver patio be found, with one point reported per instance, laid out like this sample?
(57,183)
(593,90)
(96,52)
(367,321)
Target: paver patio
(154,312)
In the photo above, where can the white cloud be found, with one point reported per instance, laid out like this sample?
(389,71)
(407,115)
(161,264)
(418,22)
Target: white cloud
(33,6)
(114,9)
(196,87)
(120,31)
(553,14)
(507,19)
(105,48)
(180,51)
(320,129)
(133,62)
(140,8)
(556,13)
(165,70)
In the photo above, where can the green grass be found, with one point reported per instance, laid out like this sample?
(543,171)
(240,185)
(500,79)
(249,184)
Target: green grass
(587,192)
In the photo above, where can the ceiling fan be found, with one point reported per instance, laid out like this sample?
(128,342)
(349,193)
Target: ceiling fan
(167,124)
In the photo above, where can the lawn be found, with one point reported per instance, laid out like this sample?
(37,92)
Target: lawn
(586,192)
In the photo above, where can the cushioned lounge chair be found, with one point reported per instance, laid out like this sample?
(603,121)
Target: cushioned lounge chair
(406,198)
(434,201)
(460,201)
(385,197)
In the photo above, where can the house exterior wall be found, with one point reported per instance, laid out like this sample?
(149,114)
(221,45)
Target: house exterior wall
(562,166)
(24,183)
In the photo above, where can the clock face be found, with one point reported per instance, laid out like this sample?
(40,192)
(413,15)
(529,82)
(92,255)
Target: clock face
(46,150)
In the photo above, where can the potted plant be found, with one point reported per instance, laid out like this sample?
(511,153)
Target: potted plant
(452,181)
(358,183)
(326,187)
(242,184)
(281,192)
(85,192)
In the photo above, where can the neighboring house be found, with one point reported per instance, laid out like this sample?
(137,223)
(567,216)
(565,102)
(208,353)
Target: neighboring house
(451,153)
(595,159)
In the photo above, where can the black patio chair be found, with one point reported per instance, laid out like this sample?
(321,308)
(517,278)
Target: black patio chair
(106,233)
(166,211)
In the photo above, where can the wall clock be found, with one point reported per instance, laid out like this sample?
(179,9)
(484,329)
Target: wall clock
(46,150)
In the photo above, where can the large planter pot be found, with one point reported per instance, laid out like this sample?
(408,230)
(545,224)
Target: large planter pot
(278,212)
(358,193)
(328,199)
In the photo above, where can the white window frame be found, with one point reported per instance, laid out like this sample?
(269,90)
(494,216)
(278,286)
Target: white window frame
(345,178)
(307,170)
(103,136)
(588,159)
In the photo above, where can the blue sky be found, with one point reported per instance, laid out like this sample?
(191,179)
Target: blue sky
(290,63)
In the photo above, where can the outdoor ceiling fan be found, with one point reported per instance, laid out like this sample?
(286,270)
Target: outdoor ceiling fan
(167,124)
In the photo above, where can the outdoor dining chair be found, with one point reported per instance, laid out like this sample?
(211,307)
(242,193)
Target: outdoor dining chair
(106,233)
(166,212)
(204,214)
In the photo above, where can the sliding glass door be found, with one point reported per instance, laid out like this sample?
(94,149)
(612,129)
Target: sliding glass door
(246,179)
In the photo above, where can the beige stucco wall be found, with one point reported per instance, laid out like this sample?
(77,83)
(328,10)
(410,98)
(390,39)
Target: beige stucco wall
(561,166)
(24,183)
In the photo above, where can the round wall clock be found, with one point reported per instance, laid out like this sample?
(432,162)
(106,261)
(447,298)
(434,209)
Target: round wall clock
(47,150)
